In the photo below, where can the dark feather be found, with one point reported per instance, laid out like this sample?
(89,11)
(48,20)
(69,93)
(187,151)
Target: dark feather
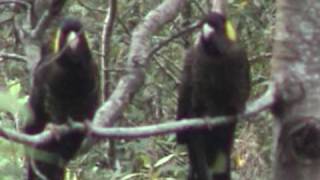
(215,82)
(65,87)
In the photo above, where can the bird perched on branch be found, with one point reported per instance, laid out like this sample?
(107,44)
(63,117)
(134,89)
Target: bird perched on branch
(215,82)
(65,88)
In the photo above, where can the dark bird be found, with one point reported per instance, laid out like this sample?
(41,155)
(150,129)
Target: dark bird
(215,82)
(65,88)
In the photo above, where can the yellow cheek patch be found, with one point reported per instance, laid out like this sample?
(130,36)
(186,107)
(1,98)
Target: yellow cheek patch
(56,46)
(230,32)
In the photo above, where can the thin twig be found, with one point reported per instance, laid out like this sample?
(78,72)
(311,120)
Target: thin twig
(105,45)
(124,27)
(105,58)
(254,59)
(13,56)
(46,18)
(11,18)
(42,24)
(91,8)
(198,6)
(24,3)
(219,6)
(167,72)
(188,29)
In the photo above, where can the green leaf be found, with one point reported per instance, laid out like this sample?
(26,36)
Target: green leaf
(23,100)
(163,160)
(130,176)
(8,102)
(14,88)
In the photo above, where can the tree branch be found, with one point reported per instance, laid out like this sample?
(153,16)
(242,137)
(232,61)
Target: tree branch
(24,3)
(166,71)
(13,56)
(264,55)
(46,18)
(91,8)
(262,103)
(188,29)
(32,140)
(114,132)
(219,6)
(254,108)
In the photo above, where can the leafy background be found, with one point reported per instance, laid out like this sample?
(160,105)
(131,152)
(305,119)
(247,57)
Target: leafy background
(155,157)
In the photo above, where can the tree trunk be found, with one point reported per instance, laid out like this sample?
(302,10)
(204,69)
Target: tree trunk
(296,73)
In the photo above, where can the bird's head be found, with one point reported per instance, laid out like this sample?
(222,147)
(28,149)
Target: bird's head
(71,43)
(217,33)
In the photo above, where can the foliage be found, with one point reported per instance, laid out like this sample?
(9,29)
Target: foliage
(11,101)
(157,157)
(12,106)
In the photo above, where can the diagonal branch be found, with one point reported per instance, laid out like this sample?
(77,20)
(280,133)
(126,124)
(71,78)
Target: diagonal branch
(47,17)
(137,62)
(13,56)
(186,30)
(262,103)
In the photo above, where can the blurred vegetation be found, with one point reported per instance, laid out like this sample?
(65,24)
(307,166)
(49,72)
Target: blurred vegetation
(156,157)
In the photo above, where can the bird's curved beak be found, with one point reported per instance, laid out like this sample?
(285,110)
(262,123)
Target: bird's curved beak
(73,41)
(207,30)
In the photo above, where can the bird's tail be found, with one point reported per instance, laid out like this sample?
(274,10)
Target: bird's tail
(218,144)
(199,169)
(39,170)
(219,165)
(48,161)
